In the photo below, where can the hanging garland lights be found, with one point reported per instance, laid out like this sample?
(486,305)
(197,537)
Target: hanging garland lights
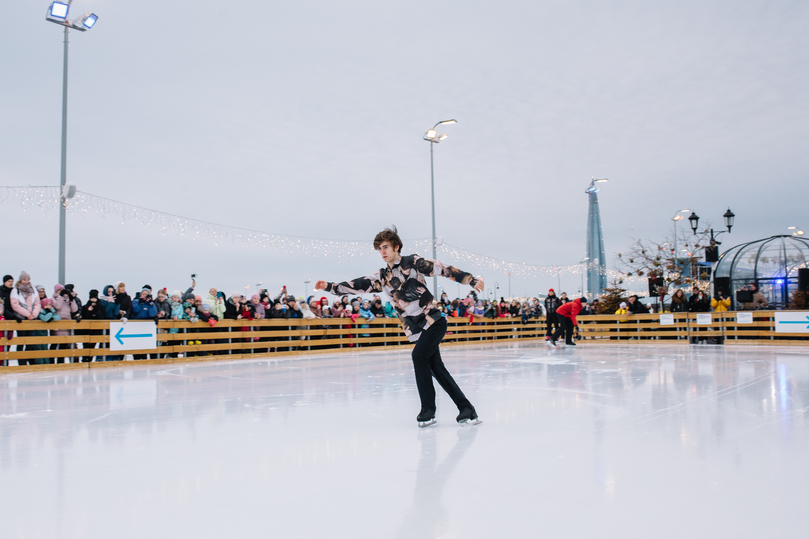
(47,198)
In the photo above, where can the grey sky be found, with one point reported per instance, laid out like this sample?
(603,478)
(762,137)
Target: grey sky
(306,118)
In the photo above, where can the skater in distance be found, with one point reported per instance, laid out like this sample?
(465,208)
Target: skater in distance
(404,279)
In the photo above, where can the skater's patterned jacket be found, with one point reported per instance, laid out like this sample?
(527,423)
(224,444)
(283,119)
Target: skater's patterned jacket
(406,283)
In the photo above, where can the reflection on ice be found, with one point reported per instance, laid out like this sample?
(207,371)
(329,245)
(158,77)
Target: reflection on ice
(660,442)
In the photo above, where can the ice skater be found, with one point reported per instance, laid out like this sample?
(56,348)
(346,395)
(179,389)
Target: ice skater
(566,315)
(404,280)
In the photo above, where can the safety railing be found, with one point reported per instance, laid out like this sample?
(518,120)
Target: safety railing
(731,327)
(87,344)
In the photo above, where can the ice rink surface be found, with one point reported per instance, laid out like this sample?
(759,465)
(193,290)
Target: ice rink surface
(600,441)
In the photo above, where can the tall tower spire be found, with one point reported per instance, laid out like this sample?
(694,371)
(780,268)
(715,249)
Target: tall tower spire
(596,263)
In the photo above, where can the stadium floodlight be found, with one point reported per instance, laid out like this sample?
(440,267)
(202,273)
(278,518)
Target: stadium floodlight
(57,13)
(58,10)
(89,20)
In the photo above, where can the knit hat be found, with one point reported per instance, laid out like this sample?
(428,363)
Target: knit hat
(94,293)
(623,305)
(176,293)
(583,299)
(147,286)
(146,289)
(206,307)
(39,287)
(46,302)
(7,277)
(58,287)
(69,287)
(24,275)
(255,296)
(550,291)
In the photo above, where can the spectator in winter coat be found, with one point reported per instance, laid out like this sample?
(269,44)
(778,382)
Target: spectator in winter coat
(65,306)
(144,308)
(567,321)
(123,300)
(163,305)
(378,310)
(365,311)
(48,313)
(74,297)
(698,303)
(5,297)
(25,303)
(622,308)
(189,294)
(551,304)
(42,292)
(759,301)
(257,307)
(636,307)
(233,308)
(720,303)
(216,301)
(93,310)
(207,316)
(390,312)
(564,299)
(679,303)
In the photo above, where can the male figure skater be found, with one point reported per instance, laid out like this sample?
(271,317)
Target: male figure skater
(404,279)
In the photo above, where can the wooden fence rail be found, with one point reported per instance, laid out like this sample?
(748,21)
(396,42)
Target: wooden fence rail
(87,343)
(724,328)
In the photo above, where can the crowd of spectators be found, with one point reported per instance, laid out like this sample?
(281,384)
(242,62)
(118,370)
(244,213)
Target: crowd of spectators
(22,301)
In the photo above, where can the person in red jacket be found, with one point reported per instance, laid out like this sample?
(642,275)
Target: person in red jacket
(566,315)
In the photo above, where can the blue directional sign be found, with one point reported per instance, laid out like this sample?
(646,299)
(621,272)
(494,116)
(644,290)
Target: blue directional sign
(792,322)
(133,336)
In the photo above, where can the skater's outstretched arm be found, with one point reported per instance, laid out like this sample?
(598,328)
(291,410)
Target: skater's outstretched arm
(360,285)
(436,268)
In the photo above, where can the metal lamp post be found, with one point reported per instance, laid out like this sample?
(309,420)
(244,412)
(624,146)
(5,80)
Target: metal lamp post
(798,231)
(306,287)
(433,138)
(712,251)
(58,14)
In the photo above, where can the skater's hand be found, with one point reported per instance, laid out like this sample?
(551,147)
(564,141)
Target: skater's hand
(321,285)
(479,285)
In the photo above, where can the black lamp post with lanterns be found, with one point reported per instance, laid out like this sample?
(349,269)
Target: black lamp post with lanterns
(712,251)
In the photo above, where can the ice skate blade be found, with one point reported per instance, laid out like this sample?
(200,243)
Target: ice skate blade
(423,424)
(469,422)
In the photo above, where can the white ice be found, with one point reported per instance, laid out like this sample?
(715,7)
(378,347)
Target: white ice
(601,441)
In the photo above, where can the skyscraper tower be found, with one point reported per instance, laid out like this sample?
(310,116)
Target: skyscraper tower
(596,263)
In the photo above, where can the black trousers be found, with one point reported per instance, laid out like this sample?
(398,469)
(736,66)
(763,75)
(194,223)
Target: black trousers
(427,364)
(551,320)
(565,328)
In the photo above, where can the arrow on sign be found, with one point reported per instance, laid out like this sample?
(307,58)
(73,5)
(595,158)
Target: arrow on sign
(796,322)
(120,337)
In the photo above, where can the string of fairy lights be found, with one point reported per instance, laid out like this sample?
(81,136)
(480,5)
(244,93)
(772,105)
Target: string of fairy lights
(48,198)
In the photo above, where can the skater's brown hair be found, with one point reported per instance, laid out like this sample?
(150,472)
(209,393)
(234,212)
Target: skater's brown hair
(391,236)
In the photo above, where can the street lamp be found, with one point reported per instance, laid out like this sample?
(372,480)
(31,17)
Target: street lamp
(509,284)
(798,231)
(712,250)
(433,138)
(58,14)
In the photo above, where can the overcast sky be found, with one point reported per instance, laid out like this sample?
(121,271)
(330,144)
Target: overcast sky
(306,118)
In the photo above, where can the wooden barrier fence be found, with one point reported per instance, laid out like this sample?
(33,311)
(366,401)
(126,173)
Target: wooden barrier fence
(724,328)
(88,342)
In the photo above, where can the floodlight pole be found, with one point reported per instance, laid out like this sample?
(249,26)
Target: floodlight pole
(63,179)
(432,198)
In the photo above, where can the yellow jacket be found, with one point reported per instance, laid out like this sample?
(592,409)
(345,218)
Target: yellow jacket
(721,305)
(620,311)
